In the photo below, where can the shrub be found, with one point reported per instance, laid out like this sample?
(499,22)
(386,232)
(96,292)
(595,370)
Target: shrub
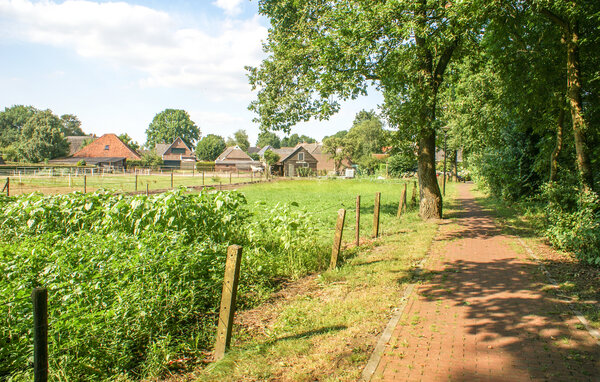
(304,172)
(81,163)
(573,221)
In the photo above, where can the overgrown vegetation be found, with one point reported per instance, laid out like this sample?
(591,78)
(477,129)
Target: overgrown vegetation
(134,281)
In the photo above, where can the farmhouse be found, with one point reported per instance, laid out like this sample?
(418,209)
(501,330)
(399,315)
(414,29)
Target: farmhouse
(176,154)
(106,151)
(234,159)
(292,159)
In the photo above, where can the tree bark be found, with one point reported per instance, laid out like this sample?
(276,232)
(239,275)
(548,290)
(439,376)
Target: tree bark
(558,147)
(430,206)
(574,97)
(571,36)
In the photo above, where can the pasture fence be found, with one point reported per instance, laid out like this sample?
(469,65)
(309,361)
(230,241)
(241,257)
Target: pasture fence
(39,296)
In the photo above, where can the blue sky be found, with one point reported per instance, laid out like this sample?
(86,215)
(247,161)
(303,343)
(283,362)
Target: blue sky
(117,64)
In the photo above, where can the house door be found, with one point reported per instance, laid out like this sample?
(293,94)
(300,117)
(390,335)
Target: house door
(291,170)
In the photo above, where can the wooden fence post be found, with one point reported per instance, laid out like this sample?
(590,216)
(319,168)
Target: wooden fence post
(171,178)
(147,189)
(227,311)
(337,238)
(40,334)
(402,204)
(414,194)
(376,215)
(357,233)
(7,186)
(203,177)
(84,183)
(136,181)
(230,177)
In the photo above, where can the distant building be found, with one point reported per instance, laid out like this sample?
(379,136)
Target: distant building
(234,159)
(106,151)
(176,154)
(292,160)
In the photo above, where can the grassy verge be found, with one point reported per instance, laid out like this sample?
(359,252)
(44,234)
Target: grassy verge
(577,280)
(324,327)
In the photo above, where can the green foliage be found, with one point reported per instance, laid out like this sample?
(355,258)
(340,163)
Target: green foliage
(42,138)
(205,166)
(210,147)
(148,159)
(134,281)
(81,163)
(294,139)
(402,162)
(254,156)
(125,138)
(170,124)
(240,138)
(573,220)
(271,158)
(304,172)
(71,125)
(267,138)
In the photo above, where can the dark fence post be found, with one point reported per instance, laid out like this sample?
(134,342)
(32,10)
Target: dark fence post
(84,183)
(203,177)
(147,189)
(230,177)
(357,233)
(40,334)
(227,311)
(376,215)
(136,181)
(171,178)
(337,238)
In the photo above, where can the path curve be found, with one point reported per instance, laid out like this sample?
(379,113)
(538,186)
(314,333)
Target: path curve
(479,314)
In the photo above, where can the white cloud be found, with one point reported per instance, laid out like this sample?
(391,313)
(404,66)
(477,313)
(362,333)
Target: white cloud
(145,39)
(231,7)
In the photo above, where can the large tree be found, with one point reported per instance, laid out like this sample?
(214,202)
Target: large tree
(42,138)
(268,138)
(322,52)
(71,125)
(12,121)
(170,124)
(210,147)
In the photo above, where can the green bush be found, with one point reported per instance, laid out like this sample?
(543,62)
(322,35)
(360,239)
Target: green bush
(573,221)
(304,172)
(205,166)
(134,281)
(400,164)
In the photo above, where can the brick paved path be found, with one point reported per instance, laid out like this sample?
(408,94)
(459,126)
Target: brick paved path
(479,315)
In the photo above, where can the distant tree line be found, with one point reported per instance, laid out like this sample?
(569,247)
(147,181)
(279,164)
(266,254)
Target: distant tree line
(31,135)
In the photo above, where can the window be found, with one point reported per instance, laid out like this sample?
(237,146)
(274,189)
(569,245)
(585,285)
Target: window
(300,156)
(176,150)
(106,147)
(304,164)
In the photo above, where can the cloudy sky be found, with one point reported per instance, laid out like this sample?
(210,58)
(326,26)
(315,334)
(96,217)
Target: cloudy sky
(117,64)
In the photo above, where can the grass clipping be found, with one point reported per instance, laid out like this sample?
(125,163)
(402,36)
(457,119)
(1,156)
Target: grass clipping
(324,327)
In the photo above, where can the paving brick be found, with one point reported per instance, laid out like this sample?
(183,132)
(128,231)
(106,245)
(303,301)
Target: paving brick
(479,317)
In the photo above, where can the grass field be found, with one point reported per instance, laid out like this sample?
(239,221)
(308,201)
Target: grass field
(323,198)
(63,184)
(324,327)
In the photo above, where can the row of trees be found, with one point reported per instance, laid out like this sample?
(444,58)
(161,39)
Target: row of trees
(438,64)
(32,135)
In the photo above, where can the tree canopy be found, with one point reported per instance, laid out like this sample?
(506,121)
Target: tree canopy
(323,52)
(42,138)
(267,138)
(170,124)
(210,147)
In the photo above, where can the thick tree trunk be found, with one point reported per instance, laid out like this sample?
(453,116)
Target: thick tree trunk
(574,98)
(558,147)
(430,206)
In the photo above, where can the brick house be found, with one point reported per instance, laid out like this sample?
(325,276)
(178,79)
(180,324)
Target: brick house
(176,154)
(108,150)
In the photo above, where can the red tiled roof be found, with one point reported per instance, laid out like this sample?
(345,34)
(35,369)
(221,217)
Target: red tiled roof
(108,145)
